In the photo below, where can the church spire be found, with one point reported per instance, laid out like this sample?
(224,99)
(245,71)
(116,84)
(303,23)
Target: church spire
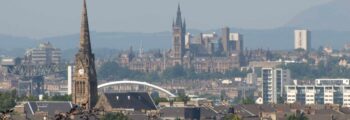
(84,31)
(178,16)
(84,90)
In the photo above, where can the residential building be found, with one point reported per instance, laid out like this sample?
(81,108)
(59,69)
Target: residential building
(325,91)
(188,113)
(44,54)
(256,112)
(302,39)
(39,110)
(273,81)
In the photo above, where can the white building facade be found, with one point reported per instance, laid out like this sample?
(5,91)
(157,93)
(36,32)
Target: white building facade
(325,91)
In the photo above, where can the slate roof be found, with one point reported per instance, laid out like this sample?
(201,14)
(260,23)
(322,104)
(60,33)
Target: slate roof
(138,117)
(222,109)
(131,100)
(50,107)
(252,111)
(188,112)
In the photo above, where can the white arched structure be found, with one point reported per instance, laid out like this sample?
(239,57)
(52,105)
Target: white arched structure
(137,83)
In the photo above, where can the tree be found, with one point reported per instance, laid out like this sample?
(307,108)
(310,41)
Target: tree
(111,70)
(7,100)
(115,116)
(176,72)
(158,100)
(297,116)
(61,98)
(182,98)
(247,101)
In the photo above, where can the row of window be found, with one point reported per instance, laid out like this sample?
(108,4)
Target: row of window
(291,95)
(309,95)
(346,104)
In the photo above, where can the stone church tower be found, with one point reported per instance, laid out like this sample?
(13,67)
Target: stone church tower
(179,31)
(84,91)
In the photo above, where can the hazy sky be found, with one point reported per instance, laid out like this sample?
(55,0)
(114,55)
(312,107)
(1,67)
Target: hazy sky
(45,18)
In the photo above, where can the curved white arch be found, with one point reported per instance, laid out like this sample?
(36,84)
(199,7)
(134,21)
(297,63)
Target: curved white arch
(138,83)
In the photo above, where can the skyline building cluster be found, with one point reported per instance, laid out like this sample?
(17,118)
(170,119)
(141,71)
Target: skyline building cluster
(207,52)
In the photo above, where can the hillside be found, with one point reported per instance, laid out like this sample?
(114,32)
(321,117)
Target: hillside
(331,16)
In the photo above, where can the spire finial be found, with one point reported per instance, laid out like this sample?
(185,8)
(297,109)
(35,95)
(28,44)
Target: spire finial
(84,7)
(178,21)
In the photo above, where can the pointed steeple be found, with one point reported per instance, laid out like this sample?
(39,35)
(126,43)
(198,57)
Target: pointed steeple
(84,90)
(178,16)
(85,45)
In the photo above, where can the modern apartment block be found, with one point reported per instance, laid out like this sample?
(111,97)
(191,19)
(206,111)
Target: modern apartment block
(302,39)
(273,80)
(44,54)
(325,91)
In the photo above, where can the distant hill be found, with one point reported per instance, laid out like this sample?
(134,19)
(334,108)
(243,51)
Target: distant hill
(116,40)
(13,42)
(331,16)
(279,38)
(329,23)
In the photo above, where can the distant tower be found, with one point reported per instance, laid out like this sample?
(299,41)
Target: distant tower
(179,31)
(237,40)
(84,91)
(141,50)
(188,38)
(225,38)
(302,39)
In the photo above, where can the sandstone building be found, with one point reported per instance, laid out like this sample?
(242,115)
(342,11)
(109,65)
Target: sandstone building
(84,91)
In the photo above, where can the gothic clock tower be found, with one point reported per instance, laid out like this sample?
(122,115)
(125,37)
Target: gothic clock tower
(84,91)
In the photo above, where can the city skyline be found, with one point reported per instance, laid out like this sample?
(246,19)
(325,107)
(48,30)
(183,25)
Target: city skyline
(191,75)
(37,21)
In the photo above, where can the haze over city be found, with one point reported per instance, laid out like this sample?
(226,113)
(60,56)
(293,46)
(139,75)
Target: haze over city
(34,18)
(175,60)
